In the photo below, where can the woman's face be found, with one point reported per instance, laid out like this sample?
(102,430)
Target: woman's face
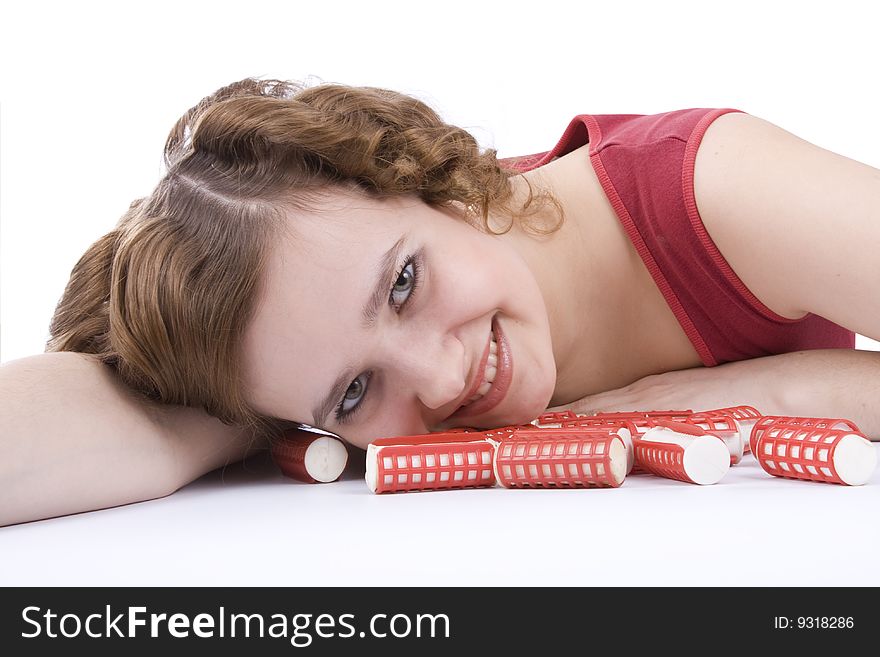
(312,357)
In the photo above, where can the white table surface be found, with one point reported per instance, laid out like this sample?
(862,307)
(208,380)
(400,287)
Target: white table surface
(250,526)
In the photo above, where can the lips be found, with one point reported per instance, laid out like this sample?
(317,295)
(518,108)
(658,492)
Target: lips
(500,385)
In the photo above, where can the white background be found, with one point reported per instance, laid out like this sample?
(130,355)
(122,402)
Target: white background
(89,91)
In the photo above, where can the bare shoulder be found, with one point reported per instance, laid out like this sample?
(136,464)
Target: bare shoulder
(731,217)
(782,210)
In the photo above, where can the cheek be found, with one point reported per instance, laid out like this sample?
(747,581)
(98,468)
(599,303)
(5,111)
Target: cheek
(534,365)
(497,274)
(519,296)
(360,442)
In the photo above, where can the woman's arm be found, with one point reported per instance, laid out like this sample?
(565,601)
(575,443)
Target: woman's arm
(838,383)
(73,438)
(800,225)
(202,443)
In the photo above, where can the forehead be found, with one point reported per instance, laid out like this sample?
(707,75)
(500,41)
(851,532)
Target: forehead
(325,256)
(344,219)
(346,225)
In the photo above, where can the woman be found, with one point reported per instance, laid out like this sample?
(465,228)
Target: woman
(339,257)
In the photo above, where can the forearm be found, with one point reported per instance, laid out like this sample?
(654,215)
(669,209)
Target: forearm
(202,443)
(72,440)
(839,383)
(836,383)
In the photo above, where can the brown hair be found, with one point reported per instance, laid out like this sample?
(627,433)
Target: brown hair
(165,296)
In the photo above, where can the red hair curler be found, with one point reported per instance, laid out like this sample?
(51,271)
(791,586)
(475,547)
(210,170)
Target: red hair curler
(438,461)
(745,416)
(683,452)
(529,457)
(723,425)
(625,429)
(813,453)
(561,458)
(768,421)
(310,457)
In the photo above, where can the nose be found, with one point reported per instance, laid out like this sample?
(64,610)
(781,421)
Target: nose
(433,368)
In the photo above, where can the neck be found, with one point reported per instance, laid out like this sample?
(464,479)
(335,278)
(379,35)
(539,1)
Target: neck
(586,272)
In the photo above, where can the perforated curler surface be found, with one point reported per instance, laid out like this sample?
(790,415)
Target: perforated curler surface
(682,452)
(556,418)
(439,461)
(631,423)
(310,457)
(741,412)
(835,456)
(767,421)
(561,458)
(723,425)
(622,427)
(745,416)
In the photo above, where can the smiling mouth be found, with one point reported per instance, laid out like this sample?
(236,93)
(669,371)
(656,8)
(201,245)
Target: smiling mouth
(488,374)
(494,379)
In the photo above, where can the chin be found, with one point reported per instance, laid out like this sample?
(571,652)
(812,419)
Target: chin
(538,403)
(521,414)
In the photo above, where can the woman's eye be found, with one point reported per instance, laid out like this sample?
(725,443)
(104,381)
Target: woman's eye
(405,283)
(352,397)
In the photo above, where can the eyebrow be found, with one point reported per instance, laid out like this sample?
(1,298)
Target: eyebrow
(370,313)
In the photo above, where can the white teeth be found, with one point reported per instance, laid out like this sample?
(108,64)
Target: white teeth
(489,374)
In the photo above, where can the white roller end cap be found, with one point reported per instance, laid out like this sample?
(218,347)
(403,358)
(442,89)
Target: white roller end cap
(620,458)
(706,460)
(370,475)
(854,459)
(325,459)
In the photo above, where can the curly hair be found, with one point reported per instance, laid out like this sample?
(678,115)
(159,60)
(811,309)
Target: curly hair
(165,297)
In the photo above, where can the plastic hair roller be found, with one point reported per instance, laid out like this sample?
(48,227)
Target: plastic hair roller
(521,455)
(629,424)
(556,418)
(723,425)
(623,428)
(830,455)
(640,423)
(439,461)
(561,458)
(310,457)
(768,421)
(745,416)
(683,452)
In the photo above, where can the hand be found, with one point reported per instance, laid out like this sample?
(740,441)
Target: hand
(699,389)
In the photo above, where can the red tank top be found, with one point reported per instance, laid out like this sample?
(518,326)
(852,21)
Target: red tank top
(645,164)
